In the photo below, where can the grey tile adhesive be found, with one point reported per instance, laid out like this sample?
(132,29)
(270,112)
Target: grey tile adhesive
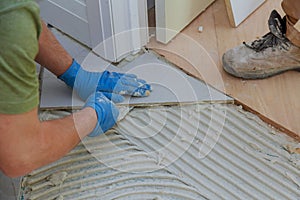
(199,151)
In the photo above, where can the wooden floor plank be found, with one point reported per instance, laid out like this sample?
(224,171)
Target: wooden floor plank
(276,99)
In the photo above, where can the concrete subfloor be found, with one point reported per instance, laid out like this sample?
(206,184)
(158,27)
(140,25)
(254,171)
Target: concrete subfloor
(9,187)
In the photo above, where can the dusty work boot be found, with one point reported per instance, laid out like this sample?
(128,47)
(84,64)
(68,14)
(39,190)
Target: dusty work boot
(268,56)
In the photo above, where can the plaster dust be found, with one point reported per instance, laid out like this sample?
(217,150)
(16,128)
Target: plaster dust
(198,151)
(57,179)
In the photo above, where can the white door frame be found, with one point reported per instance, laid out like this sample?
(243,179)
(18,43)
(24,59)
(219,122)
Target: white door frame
(124,27)
(112,28)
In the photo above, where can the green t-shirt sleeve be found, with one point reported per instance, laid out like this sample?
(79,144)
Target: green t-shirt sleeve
(19,31)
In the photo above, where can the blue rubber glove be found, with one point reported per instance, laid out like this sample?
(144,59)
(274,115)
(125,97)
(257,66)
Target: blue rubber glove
(107,113)
(112,84)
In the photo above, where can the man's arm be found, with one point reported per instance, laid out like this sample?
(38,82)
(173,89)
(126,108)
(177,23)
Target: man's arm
(51,54)
(26,143)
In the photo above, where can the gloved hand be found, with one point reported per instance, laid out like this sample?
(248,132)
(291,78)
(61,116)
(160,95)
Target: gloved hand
(86,83)
(107,113)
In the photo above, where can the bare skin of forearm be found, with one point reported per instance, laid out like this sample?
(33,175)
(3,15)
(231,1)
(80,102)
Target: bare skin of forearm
(40,143)
(51,54)
(25,142)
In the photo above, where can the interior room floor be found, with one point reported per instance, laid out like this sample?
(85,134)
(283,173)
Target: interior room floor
(205,150)
(275,99)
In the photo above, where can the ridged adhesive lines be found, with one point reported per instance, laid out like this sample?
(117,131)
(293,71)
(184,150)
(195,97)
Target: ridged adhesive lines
(235,167)
(111,177)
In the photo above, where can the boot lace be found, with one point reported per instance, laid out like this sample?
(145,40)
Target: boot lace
(276,36)
(268,40)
